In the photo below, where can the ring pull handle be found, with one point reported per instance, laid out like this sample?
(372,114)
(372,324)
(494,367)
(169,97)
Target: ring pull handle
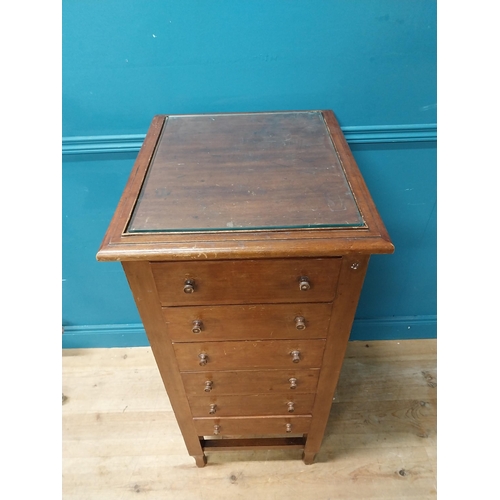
(304,284)
(197,326)
(300,323)
(295,356)
(189,286)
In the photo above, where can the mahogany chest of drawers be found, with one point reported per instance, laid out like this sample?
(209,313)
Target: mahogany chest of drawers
(245,239)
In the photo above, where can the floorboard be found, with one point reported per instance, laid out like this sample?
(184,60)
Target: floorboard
(121,440)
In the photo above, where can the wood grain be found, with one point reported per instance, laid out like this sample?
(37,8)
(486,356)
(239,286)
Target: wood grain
(120,438)
(244,170)
(245,282)
(247,426)
(243,244)
(127,201)
(247,355)
(141,283)
(351,280)
(257,321)
(250,382)
(253,404)
(289,182)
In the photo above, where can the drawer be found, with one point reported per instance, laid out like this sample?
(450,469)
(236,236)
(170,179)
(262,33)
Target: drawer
(260,404)
(245,426)
(246,355)
(259,321)
(247,281)
(287,382)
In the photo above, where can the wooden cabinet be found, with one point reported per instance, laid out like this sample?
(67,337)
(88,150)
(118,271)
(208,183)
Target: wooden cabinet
(245,239)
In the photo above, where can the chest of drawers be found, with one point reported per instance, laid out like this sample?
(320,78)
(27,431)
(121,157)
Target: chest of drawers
(245,239)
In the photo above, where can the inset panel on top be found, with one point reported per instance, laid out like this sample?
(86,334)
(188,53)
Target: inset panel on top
(244,171)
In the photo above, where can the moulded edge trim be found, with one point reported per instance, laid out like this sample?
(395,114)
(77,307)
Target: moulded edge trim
(361,134)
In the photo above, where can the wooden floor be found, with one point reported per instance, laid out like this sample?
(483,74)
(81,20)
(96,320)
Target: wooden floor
(121,440)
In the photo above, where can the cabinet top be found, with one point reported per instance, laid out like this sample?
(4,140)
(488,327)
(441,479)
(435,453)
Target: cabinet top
(244,171)
(226,180)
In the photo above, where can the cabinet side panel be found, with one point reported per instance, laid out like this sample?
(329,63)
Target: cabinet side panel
(146,298)
(352,274)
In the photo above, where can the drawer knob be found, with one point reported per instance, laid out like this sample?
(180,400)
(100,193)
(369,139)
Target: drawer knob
(293,383)
(300,323)
(288,427)
(216,429)
(208,385)
(213,409)
(291,406)
(304,284)
(198,326)
(188,286)
(295,356)
(203,359)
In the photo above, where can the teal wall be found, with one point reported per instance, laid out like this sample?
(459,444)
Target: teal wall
(372,62)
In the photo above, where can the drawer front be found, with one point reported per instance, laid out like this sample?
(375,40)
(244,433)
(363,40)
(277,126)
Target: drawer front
(246,281)
(260,404)
(280,321)
(246,426)
(288,382)
(247,355)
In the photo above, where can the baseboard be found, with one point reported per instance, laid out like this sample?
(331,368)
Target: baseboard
(395,328)
(133,335)
(89,336)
